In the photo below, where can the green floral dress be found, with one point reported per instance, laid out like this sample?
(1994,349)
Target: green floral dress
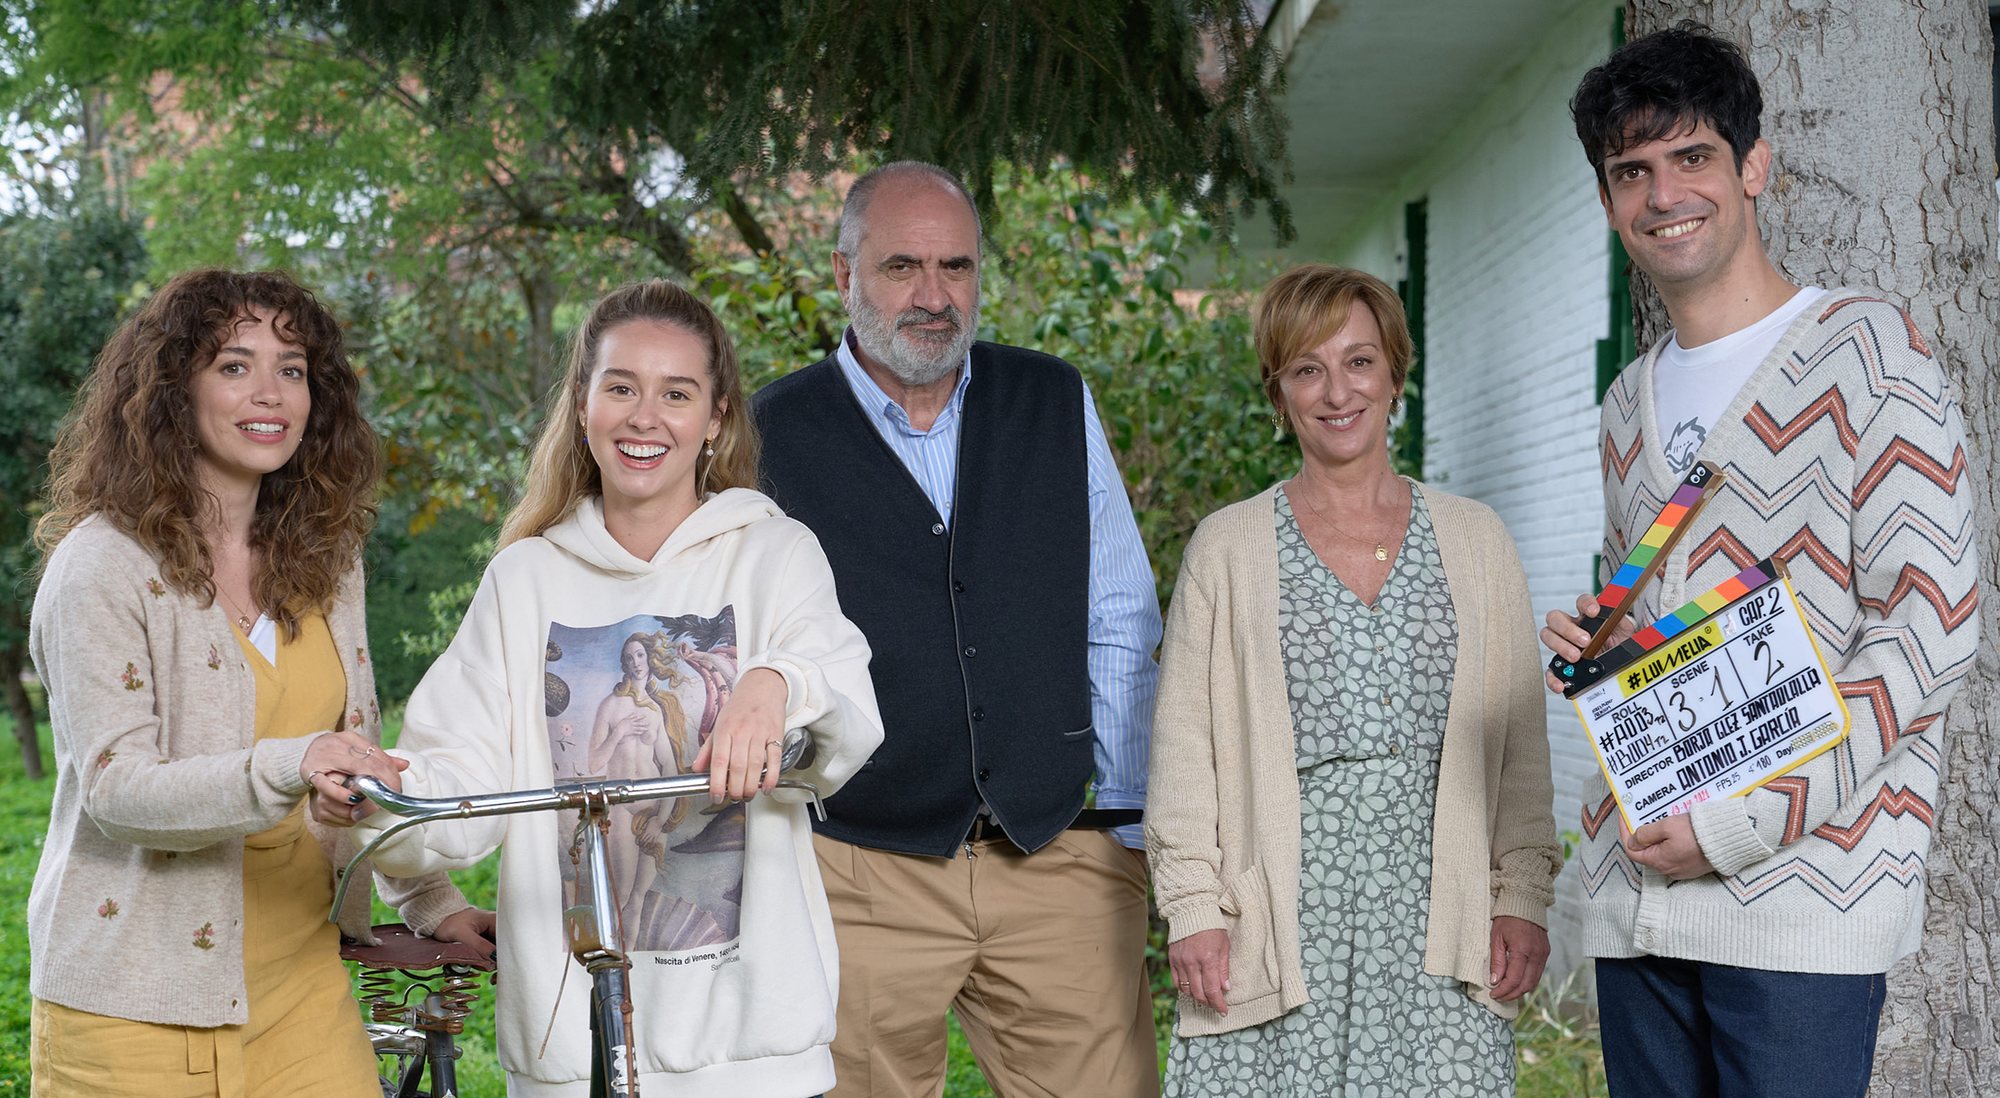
(1369,690)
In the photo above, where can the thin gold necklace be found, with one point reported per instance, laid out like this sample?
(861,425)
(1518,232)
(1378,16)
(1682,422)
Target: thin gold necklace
(1381,547)
(243,621)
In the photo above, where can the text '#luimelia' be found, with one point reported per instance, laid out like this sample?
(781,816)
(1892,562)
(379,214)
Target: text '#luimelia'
(1666,660)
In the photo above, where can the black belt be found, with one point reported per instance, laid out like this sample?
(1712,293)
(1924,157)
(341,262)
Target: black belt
(985,827)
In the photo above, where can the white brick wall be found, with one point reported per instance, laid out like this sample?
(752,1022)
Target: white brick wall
(1517,298)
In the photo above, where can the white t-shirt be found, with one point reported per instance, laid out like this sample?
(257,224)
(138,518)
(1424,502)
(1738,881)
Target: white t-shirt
(1693,386)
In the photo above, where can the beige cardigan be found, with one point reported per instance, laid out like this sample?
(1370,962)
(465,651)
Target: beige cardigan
(137,908)
(1222,814)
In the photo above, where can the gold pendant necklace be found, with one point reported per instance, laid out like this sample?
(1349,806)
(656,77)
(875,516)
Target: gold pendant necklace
(243,620)
(1381,549)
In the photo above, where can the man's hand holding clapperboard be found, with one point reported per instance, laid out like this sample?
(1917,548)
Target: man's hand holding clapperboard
(1712,700)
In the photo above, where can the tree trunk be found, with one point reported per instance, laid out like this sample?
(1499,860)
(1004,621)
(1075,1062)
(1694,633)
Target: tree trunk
(540,294)
(1880,116)
(20,708)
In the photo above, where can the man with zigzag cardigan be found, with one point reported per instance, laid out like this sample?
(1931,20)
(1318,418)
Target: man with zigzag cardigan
(1741,948)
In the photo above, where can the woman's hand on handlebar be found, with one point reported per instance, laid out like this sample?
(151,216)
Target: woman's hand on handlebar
(742,753)
(332,758)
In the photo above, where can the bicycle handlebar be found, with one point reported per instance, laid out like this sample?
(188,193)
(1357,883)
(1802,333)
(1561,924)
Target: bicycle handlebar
(597,794)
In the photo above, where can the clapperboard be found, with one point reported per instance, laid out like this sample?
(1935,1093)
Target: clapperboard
(1712,700)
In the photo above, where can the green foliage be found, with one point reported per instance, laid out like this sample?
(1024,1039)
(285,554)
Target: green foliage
(761,90)
(419,586)
(1103,285)
(460,223)
(65,277)
(24,816)
(449,238)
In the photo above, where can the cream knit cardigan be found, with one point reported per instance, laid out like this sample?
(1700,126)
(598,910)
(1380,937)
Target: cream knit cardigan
(1222,818)
(137,909)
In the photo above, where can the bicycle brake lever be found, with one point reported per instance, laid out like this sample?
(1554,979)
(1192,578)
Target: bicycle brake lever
(819,806)
(798,751)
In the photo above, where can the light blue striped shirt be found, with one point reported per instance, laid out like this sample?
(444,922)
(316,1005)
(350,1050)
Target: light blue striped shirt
(1124,626)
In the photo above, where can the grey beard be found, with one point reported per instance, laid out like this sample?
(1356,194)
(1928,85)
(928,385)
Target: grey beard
(912,361)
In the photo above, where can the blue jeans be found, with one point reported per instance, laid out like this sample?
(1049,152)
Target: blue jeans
(1689,1029)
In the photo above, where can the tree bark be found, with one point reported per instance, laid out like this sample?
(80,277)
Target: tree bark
(20,708)
(540,293)
(1880,116)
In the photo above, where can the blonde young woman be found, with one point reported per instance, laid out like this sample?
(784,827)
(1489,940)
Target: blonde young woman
(199,629)
(1349,815)
(640,519)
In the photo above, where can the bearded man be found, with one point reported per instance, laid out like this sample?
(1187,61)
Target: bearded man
(981,538)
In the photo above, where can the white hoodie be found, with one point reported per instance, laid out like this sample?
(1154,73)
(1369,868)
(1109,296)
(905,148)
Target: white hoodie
(578,658)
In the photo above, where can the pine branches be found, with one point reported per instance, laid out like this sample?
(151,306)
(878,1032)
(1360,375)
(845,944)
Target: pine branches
(1175,97)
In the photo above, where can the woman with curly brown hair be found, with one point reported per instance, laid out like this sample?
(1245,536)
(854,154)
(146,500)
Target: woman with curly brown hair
(199,630)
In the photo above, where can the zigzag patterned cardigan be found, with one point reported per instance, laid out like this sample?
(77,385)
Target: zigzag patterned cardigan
(1845,456)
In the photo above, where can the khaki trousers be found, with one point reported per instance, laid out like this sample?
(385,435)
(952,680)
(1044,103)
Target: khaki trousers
(1042,956)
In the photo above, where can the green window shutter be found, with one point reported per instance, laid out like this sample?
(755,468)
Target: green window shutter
(1622,345)
(1407,447)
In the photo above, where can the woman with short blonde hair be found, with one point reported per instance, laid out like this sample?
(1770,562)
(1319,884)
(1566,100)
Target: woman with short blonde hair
(1348,815)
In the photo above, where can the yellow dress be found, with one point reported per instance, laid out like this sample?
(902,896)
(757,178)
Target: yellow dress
(304,1036)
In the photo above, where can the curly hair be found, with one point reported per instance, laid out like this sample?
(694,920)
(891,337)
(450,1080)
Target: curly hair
(562,472)
(129,449)
(1666,83)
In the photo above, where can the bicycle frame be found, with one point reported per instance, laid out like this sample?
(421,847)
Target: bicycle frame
(594,937)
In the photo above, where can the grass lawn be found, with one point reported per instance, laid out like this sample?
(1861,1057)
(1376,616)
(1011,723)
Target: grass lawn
(1559,1057)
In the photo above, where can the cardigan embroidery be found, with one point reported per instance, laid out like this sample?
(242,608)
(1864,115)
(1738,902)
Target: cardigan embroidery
(156,784)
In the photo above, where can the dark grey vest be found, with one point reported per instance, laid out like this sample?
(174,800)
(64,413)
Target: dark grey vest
(978,626)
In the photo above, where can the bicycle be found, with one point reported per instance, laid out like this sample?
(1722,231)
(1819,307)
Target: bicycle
(595,938)
(419,1036)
